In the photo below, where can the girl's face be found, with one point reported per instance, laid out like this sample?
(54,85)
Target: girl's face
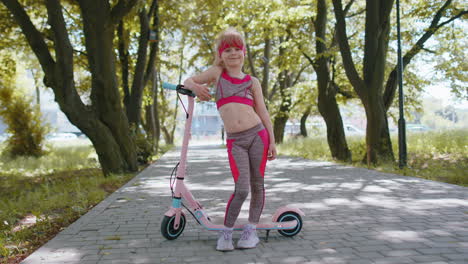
(233,56)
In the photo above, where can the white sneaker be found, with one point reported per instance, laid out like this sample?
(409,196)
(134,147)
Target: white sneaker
(249,238)
(225,240)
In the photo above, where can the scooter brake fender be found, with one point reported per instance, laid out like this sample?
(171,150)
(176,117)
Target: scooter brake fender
(285,209)
(173,211)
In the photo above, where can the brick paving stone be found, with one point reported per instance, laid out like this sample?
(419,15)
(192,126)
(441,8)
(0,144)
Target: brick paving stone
(458,262)
(353,215)
(456,256)
(393,260)
(400,253)
(427,258)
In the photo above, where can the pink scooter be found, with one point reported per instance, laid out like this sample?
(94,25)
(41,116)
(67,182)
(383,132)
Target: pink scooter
(287,220)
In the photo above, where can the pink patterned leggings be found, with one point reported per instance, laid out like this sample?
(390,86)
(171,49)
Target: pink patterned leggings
(247,152)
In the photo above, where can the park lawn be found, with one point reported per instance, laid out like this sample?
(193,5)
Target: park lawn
(436,155)
(39,197)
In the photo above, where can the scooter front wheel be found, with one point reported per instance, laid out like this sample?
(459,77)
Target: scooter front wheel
(167,227)
(290,216)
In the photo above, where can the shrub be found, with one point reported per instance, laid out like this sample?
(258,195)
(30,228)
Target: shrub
(23,118)
(143,145)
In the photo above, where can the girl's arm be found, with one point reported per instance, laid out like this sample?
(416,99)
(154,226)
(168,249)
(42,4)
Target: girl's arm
(199,83)
(262,112)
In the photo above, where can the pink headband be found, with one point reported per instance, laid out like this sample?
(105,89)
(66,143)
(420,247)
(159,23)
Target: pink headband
(225,45)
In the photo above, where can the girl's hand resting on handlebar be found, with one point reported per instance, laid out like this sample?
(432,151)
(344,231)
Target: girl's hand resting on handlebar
(202,91)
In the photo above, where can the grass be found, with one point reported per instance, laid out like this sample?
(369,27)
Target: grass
(39,197)
(437,155)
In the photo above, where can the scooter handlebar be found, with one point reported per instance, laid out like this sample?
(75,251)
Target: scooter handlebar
(179,88)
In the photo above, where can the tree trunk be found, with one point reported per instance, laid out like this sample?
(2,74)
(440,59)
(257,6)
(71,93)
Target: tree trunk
(304,117)
(250,57)
(104,121)
(336,139)
(124,59)
(279,124)
(379,145)
(168,138)
(154,110)
(152,116)
(327,105)
(136,95)
(151,71)
(266,67)
(282,116)
(370,87)
(143,70)
(112,139)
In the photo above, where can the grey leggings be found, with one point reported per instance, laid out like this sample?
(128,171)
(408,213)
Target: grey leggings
(247,152)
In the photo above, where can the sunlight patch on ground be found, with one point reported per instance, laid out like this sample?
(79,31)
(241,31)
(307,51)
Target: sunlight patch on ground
(288,185)
(379,201)
(298,163)
(313,206)
(276,179)
(376,189)
(351,185)
(59,256)
(400,235)
(343,202)
(443,202)
(196,186)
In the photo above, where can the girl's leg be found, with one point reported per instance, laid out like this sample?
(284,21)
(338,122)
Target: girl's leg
(240,168)
(258,157)
(239,162)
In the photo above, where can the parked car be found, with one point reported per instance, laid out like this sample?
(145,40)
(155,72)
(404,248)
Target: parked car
(416,128)
(351,130)
(60,136)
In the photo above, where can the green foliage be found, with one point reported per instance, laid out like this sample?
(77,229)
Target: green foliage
(144,148)
(444,53)
(22,117)
(57,159)
(440,156)
(56,189)
(55,200)
(191,26)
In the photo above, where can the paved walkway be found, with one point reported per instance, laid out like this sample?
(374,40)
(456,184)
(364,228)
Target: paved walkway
(353,215)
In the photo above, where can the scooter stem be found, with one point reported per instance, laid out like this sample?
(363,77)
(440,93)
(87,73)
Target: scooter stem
(183,154)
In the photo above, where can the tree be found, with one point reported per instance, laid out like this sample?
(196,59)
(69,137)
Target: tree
(143,69)
(376,98)
(369,87)
(327,88)
(103,120)
(288,77)
(446,9)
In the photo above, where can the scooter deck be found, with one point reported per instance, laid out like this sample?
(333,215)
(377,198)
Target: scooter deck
(264,223)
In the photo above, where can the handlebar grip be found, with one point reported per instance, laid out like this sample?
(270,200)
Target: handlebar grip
(169,86)
(179,88)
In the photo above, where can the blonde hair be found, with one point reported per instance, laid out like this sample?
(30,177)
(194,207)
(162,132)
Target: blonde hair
(231,37)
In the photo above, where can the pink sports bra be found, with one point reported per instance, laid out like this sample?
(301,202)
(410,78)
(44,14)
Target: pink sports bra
(234,90)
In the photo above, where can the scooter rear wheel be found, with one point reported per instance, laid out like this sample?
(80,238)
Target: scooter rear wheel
(290,216)
(167,227)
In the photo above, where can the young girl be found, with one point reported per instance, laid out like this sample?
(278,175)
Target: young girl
(250,139)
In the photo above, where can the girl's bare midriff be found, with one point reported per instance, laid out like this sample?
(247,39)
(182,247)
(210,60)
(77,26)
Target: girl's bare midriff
(238,117)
